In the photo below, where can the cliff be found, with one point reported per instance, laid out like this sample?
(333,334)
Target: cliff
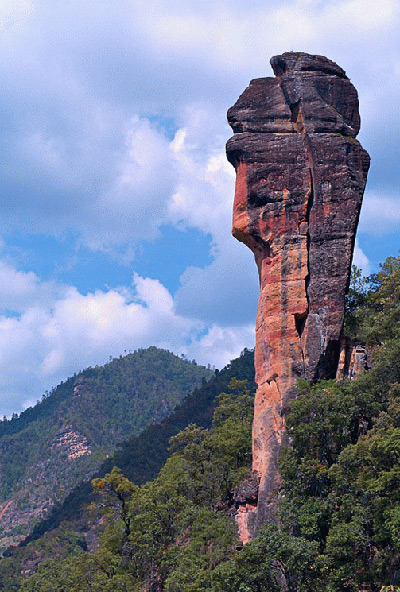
(300,178)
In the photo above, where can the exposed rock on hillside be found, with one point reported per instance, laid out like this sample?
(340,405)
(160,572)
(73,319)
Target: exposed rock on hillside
(73,443)
(300,178)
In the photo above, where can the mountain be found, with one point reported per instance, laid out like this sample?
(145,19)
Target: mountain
(141,457)
(63,439)
(69,527)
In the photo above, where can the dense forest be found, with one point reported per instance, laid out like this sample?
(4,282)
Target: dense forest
(339,509)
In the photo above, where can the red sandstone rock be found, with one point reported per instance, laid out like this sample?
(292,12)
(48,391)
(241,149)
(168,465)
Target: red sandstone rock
(300,178)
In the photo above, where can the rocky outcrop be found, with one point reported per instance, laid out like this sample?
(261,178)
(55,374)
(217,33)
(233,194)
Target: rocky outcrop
(354,359)
(72,442)
(245,499)
(300,178)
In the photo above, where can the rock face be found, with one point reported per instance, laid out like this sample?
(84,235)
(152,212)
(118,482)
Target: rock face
(300,178)
(354,359)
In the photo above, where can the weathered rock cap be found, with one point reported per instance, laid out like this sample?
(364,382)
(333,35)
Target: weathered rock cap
(291,62)
(310,94)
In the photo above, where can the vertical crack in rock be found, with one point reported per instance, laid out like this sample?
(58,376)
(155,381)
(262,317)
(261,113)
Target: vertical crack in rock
(300,178)
(310,203)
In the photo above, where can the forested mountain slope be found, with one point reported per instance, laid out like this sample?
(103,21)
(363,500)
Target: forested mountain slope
(70,527)
(46,450)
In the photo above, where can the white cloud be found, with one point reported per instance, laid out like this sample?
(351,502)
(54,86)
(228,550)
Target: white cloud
(21,290)
(360,259)
(204,200)
(136,203)
(222,343)
(363,16)
(14,15)
(204,193)
(380,213)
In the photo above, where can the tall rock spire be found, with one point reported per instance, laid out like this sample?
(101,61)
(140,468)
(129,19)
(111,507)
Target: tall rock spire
(300,178)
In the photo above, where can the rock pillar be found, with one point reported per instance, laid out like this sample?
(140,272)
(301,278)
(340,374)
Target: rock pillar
(300,178)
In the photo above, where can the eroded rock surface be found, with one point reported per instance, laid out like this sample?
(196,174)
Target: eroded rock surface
(300,178)
(72,442)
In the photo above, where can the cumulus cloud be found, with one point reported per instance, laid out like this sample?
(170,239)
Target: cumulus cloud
(222,343)
(380,213)
(203,195)
(360,259)
(225,292)
(203,199)
(21,290)
(135,205)
(55,336)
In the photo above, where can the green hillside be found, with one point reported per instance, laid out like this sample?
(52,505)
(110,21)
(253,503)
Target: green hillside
(63,439)
(69,527)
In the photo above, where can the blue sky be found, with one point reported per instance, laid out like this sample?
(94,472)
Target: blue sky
(116,195)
